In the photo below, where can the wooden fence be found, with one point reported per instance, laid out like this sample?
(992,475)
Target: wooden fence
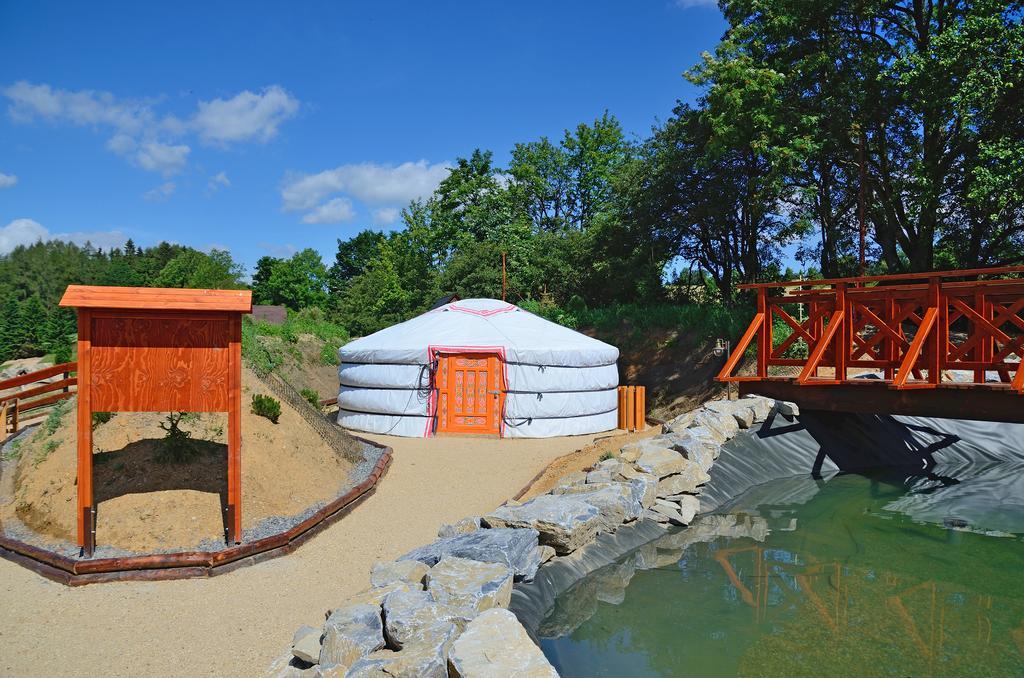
(44,391)
(632,408)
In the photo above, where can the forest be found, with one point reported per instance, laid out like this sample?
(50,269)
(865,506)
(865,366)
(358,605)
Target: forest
(818,121)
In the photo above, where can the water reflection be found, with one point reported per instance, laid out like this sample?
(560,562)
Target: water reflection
(857,574)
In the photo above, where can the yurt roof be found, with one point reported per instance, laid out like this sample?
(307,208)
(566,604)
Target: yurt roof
(481,323)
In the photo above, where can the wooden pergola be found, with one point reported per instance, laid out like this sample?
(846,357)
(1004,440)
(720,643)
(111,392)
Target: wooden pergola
(158,350)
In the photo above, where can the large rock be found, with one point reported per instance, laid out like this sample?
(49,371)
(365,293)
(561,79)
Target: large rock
(389,572)
(787,409)
(464,526)
(377,594)
(723,424)
(704,451)
(740,410)
(687,480)
(563,521)
(350,633)
(289,666)
(427,660)
(630,452)
(413,618)
(599,476)
(618,502)
(681,422)
(761,406)
(515,548)
(469,586)
(306,644)
(670,510)
(643,483)
(660,461)
(495,645)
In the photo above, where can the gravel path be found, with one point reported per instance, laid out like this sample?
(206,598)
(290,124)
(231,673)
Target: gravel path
(235,624)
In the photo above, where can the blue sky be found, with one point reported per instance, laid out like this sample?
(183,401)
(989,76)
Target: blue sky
(269,127)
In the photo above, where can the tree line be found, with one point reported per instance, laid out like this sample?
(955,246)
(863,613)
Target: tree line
(33,279)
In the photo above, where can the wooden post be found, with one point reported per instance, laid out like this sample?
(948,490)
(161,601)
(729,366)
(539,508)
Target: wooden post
(14,416)
(86,509)
(941,331)
(640,408)
(764,346)
(235,433)
(844,337)
(630,396)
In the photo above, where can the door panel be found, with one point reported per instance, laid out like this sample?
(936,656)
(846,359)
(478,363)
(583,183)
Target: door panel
(470,393)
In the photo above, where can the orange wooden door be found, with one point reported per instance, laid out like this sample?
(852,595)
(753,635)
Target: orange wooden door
(470,393)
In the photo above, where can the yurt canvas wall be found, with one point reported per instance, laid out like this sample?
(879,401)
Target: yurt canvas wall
(478,366)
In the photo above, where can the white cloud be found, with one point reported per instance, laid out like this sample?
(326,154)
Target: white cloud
(160,193)
(21,232)
(369,182)
(146,138)
(696,3)
(385,215)
(7,180)
(30,231)
(331,212)
(164,158)
(218,181)
(246,116)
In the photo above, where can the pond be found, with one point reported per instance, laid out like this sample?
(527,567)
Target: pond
(867,574)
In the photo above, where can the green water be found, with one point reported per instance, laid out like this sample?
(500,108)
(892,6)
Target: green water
(856,576)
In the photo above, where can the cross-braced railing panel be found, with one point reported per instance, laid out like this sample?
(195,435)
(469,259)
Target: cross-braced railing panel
(914,329)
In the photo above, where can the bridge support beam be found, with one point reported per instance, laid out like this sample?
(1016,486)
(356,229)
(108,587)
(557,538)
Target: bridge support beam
(873,396)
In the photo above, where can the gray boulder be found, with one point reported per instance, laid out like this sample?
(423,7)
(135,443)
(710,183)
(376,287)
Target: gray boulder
(670,510)
(495,645)
(350,633)
(545,553)
(469,586)
(787,409)
(660,461)
(618,502)
(643,483)
(306,644)
(376,595)
(389,572)
(413,618)
(687,480)
(681,422)
(600,475)
(428,660)
(689,506)
(655,516)
(515,548)
(470,524)
(761,406)
(724,424)
(563,521)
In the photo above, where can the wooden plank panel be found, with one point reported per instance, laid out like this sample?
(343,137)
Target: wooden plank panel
(150,298)
(159,365)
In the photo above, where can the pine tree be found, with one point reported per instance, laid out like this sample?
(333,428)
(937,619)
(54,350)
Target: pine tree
(10,329)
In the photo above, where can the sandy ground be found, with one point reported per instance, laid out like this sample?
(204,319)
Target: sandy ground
(235,624)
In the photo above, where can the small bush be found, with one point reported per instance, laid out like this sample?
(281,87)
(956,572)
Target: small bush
(52,422)
(177,445)
(311,396)
(99,418)
(266,407)
(607,455)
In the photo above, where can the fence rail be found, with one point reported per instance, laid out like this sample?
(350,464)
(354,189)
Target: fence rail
(19,402)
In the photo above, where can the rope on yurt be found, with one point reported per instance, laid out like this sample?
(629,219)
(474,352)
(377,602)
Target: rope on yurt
(430,369)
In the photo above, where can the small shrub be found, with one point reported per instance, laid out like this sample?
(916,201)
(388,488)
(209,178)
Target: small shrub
(62,354)
(13,450)
(177,445)
(607,455)
(266,407)
(311,396)
(99,418)
(52,422)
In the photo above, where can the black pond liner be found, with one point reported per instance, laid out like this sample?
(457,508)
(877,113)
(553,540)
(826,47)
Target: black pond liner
(814,447)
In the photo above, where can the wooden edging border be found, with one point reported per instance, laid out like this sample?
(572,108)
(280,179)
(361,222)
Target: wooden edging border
(192,564)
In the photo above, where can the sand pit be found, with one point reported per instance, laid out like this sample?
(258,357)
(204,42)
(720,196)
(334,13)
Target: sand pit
(149,503)
(235,624)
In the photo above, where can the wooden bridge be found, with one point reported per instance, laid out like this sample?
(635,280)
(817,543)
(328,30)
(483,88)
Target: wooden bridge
(940,344)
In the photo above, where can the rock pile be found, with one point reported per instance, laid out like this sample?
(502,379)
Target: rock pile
(439,610)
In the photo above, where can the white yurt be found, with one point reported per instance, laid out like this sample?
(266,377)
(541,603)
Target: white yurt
(478,366)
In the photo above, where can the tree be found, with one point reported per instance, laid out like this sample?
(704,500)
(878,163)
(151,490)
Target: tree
(352,258)
(299,282)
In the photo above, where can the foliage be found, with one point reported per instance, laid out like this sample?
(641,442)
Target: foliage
(177,445)
(52,423)
(100,418)
(266,407)
(311,396)
(299,282)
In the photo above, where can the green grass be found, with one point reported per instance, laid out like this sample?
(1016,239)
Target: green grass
(267,356)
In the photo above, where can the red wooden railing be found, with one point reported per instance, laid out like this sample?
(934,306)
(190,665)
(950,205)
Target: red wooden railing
(911,327)
(16,403)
